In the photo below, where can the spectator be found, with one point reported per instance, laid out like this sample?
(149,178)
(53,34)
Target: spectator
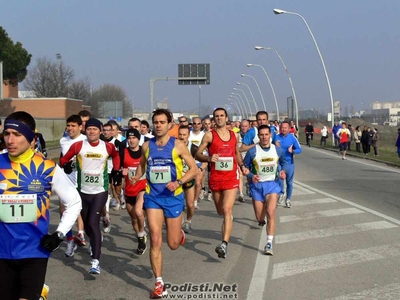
(375,142)
(370,135)
(324,135)
(398,142)
(364,140)
(350,137)
(357,138)
(335,130)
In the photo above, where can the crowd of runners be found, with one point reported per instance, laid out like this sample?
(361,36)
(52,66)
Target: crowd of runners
(157,176)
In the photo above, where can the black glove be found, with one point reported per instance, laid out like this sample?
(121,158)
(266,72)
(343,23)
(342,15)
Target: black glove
(44,152)
(68,167)
(51,242)
(116,177)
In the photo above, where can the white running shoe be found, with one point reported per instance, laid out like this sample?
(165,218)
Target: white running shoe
(71,247)
(288,203)
(117,207)
(281,198)
(195,205)
(210,197)
(95,269)
(201,195)
(268,249)
(106,224)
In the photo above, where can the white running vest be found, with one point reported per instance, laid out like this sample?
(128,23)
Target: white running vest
(266,163)
(65,143)
(92,168)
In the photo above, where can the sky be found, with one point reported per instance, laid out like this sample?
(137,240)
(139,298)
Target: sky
(129,42)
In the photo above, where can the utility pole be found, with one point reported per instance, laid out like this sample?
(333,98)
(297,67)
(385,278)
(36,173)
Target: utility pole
(1,81)
(199,100)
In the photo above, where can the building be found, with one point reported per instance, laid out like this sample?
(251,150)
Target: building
(386,113)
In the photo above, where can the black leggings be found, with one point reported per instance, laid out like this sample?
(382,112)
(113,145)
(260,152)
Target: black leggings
(92,205)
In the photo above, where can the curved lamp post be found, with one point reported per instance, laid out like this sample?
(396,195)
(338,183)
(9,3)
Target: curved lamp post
(247,99)
(270,84)
(241,102)
(238,109)
(262,97)
(254,101)
(290,79)
(278,11)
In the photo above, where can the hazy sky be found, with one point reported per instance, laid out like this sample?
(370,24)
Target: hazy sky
(128,42)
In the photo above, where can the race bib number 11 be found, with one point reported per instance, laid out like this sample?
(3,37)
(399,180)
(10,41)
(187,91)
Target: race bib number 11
(18,208)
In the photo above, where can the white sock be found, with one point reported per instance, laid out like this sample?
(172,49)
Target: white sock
(82,231)
(141,234)
(270,238)
(159,279)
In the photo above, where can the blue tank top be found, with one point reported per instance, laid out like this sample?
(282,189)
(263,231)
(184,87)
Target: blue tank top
(163,165)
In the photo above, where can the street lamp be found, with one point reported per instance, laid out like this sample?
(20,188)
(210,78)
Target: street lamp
(270,84)
(278,11)
(247,99)
(290,79)
(238,109)
(254,101)
(262,97)
(241,104)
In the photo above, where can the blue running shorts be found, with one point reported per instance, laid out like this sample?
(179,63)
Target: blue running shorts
(172,206)
(261,189)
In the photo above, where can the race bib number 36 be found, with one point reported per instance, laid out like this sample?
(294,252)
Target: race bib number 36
(18,208)
(160,174)
(224,164)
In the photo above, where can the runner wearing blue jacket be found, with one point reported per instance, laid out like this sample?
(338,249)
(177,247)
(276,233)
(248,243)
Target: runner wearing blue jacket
(290,146)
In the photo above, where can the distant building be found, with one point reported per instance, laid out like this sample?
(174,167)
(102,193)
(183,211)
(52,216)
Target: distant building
(387,113)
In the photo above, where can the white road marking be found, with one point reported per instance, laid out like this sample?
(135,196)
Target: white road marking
(319,214)
(334,231)
(357,160)
(313,201)
(334,260)
(257,284)
(371,211)
(386,292)
(299,190)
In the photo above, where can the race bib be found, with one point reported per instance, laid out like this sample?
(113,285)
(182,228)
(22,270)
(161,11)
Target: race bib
(267,169)
(18,208)
(91,178)
(160,174)
(224,164)
(131,172)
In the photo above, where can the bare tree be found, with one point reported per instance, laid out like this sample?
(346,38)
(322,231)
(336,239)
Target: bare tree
(48,78)
(110,93)
(81,89)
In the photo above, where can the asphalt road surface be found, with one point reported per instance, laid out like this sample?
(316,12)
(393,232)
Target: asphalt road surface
(340,240)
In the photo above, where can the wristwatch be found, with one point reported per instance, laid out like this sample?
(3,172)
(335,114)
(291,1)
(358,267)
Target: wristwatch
(61,235)
(180,182)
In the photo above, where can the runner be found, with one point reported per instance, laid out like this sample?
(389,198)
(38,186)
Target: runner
(92,157)
(195,138)
(163,200)
(344,136)
(27,180)
(74,128)
(188,188)
(263,161)
(224,156)
(130,159)
(290,146)
(244,127)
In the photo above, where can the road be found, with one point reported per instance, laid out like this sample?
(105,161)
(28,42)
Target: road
(340,240)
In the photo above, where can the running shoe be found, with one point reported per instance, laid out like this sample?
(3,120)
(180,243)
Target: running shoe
(281,198)
(262,223)
(221,250)
(45,292)
(187,227)
(183,237)
(209,197)
(106,224)
(95,269)
(80,239)
(241,198)
(268,249)
(159,291)
(117,207)
(201,195)
(142,245)
(123,204)
(195,205)
(288,203)
(247,189)
(71,247)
